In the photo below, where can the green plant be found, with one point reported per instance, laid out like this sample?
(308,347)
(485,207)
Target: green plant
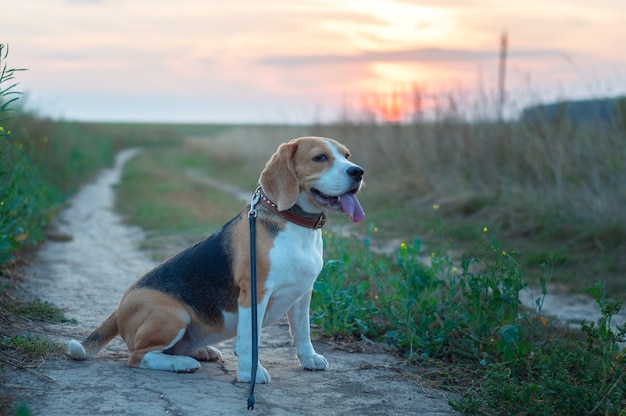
(22,190)
(407,298)
(603,341)
(483,304)
(22,410)
(423,305)
(25,199)
(343,314)
(33,346)
(568,376)
(7,242)
(429,309)
(551,382)
(8,94)
(37,310)
(339,305)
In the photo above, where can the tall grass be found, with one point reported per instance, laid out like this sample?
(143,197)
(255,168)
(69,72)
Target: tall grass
(553,189)
(557,178)
(21,192)
(527,172)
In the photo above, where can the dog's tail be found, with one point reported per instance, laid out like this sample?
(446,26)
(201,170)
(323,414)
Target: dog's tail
(94,342)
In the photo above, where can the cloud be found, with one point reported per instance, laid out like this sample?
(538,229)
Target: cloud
(86,1)
(408,55)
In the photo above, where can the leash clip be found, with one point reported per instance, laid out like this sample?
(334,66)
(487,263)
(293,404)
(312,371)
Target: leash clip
(255,200)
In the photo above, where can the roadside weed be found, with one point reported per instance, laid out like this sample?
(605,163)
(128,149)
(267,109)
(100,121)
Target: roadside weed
(429,307)
(339,307)
(32,346)
(603,342)
(36,310)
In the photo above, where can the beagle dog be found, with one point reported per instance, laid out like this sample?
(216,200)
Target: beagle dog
(170,317)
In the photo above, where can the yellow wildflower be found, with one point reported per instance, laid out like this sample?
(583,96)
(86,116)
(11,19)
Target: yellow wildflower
(485,229)
(403,246)
(435,207)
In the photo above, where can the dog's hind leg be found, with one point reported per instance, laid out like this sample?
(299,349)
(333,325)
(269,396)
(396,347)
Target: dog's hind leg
(153,325)
(156,359)
(149,354)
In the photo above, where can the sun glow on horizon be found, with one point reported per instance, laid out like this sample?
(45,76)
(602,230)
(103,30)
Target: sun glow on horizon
(395,91)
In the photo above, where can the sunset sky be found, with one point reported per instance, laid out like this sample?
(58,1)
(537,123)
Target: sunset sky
(297,61)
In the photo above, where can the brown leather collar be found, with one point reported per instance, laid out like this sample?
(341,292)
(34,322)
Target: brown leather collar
(294,214)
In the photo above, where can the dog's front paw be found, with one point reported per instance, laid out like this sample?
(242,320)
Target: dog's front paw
(314,362)
(262,375)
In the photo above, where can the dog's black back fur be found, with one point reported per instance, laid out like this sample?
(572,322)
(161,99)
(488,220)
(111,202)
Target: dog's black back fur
(200,276)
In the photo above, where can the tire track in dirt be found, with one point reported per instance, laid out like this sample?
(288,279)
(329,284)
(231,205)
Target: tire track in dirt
(87,276)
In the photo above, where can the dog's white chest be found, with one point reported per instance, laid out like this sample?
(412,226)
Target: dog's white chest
(295,261)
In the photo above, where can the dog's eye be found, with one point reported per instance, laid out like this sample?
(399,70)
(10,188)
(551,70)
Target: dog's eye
(320,158)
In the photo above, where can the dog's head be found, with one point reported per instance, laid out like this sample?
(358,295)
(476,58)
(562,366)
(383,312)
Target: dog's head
(316,174)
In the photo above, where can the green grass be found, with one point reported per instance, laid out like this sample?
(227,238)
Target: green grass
(175,210)
(36,310)
(33,346)
(466,316)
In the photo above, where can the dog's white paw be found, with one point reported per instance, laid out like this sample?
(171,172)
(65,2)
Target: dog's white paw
(262,375)
(156,360)
(314,362)
(207,354)
(76,350)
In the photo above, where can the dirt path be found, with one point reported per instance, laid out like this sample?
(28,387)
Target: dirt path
(570,310)
(88,275)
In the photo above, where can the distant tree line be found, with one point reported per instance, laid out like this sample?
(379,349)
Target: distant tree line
(601,110)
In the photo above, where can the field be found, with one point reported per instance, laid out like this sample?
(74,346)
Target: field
(550,192)
(461,216)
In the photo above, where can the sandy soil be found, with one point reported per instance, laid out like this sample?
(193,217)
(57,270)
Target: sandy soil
(87,276)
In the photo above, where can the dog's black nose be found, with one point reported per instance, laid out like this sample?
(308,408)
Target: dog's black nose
(355,172)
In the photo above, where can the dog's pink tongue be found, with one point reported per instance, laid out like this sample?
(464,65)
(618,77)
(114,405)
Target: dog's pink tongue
(351,206)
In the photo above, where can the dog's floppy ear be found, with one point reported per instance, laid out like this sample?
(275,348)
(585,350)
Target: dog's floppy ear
(279,180)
